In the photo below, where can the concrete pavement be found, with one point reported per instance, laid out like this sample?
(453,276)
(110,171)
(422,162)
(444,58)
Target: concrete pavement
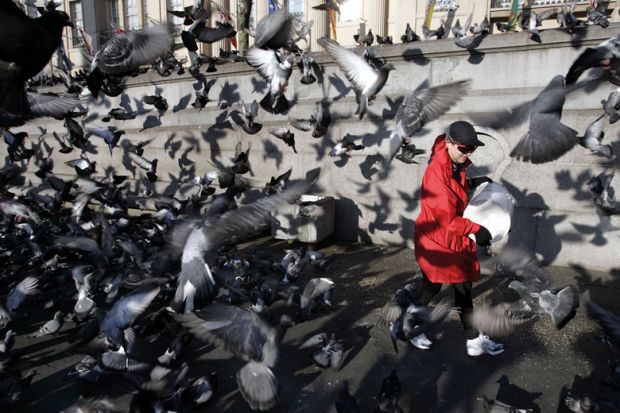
(539,365)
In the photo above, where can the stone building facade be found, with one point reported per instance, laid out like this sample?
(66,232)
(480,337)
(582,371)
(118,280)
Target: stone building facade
(99,18)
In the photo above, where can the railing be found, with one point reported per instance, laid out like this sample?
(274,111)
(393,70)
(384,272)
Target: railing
(506,4)
(446,5)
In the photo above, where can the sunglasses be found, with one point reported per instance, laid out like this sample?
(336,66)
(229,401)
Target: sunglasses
(464,149)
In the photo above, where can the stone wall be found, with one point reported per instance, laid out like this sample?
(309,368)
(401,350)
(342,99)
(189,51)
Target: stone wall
(554,215)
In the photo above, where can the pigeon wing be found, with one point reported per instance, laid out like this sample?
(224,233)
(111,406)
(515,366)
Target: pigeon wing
(264,61)
(49,104)
(419,109)
(126,52)
(126,309)
(240,331)
(607,320)
(27,286)
(355,68)
(546,140)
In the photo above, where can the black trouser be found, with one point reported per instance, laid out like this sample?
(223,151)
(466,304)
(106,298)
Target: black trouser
(462,301)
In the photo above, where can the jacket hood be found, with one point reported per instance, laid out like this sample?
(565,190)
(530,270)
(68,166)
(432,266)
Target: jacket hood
(440,151)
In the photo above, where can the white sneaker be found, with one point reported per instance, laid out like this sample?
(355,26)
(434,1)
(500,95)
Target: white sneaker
(422,342)
(483,344)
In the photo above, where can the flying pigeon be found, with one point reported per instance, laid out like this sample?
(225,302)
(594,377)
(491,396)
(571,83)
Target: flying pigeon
(27,46)
(366,81)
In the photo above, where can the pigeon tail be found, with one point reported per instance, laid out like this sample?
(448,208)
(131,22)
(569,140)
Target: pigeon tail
(95,81)
(277,106)
(308,80)
(258,385)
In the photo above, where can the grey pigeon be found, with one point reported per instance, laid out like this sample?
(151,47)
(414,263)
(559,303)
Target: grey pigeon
(367,40)
(409,36)
(606,54)
(317,123)
(125,311)
(598,15)
(422,106)
(384,40)
(51,327)
(27,46)
(595,132)
(316,292)
(160,102)
(14,208)
(111,136)
(125,52)
(196,285)
(7,343)
(191,13)
(16,297)
(345,147)
(483,28)
(600,187)
(202,389)
(366,81)
(82,166)
(307,65)
(329,354)
(149,166)
(277,184)
(611,105)
(249,338)
(389,394)
(276,69)
(535,289)
(285,135)
(247,118)
(503,318)
(95,405)
(610,322)
(373,58)
(546,138)
(329,5)
(461,33)
(408,153)
(275,30)
(418,320)
(398,303)
(567,19)
(439,32)
(85,284)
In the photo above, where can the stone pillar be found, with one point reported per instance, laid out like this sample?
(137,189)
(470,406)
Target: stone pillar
(375,14)
(89,16)
(262,9)
(224,44)
(320,28)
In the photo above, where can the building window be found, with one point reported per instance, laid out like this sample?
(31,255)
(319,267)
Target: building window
(350,11)
(131,15)
(113,11)
(296,7)
(446,5)
(75,11)
(177,22)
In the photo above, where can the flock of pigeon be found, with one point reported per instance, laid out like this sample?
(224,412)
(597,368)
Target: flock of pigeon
(173,275)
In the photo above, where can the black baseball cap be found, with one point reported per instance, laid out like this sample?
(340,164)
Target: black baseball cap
(464,133)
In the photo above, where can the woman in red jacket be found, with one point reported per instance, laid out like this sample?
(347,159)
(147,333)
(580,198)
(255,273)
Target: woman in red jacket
(443,249)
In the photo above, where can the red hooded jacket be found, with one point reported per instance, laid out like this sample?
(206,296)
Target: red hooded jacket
(443,249)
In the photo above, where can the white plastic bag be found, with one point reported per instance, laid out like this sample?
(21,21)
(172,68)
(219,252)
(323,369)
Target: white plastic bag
(491,206)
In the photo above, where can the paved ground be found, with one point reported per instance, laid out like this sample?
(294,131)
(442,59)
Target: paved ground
(538,367)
